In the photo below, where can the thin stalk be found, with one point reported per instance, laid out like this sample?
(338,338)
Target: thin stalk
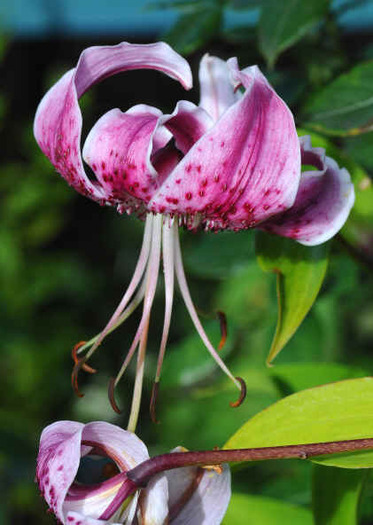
(193,314)
(137,390)
(141,474)
(151,284)
(136,278)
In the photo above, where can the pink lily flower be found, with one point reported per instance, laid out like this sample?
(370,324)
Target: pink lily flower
(232,162)
(181,496)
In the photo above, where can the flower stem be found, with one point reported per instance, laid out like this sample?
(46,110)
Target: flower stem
(141,474)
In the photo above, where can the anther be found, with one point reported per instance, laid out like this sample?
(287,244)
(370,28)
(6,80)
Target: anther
(111,396)
(74,355)
(241,399)
(74,378)
(153,402)
(223,328)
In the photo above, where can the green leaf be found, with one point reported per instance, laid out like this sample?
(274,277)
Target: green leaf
(259,510)
(360,149)
(282,24)
(195,28)
(344,107)
(300,272)
(336,494)
(335,412)
(299,376)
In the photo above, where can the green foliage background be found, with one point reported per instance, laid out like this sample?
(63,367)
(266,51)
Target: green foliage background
(64,263)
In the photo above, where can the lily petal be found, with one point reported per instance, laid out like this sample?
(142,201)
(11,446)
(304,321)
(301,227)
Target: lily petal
(217,91)
(58,462)
(153,502)
(118,150)
(124,447)
(187,124)
(61,446)
(75,518)
(198,495)
(323,202)
(243,170)
(58,120)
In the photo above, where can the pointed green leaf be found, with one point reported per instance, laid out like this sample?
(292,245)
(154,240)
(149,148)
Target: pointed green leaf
(335,412)
(244,508)
(336,494)
(300,272)
(283,23)
(345,106)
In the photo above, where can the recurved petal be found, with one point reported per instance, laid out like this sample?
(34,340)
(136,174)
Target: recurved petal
(198,495)
(187,124)
(58,462)
(323,202)
(122,446)
(99,500)
(217,91)
(58,120)
(118,150)
(243,170)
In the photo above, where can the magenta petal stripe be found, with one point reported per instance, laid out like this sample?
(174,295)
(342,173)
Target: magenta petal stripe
(323,202)
(58,121)
(243,170)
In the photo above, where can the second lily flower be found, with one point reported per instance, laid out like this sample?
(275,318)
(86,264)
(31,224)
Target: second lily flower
(232,162)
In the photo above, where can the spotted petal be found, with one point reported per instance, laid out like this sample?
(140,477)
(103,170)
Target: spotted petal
(323,202)
(118,150)
(245,169)
(58,121)
(61,447)
(58,462)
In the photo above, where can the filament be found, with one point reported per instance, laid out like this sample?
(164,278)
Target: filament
(180,274)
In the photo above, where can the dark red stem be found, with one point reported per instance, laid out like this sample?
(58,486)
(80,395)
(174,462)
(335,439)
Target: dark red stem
(141,474)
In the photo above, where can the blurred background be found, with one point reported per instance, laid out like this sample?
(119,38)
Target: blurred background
(65,262)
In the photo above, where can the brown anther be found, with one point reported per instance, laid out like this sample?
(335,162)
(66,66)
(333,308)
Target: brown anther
(153,402)
(111,396)
(74,378)
(223,328)
(216,468)
(74,355)
(241,399)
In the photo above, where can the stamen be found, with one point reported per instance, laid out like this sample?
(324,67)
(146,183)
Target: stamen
(180,274)
(241,399)
(153,402)
(142,331)
(74,378)
(223,329)
(151,280)
(74,355)
(112,397)
(137,276)
(169,274)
